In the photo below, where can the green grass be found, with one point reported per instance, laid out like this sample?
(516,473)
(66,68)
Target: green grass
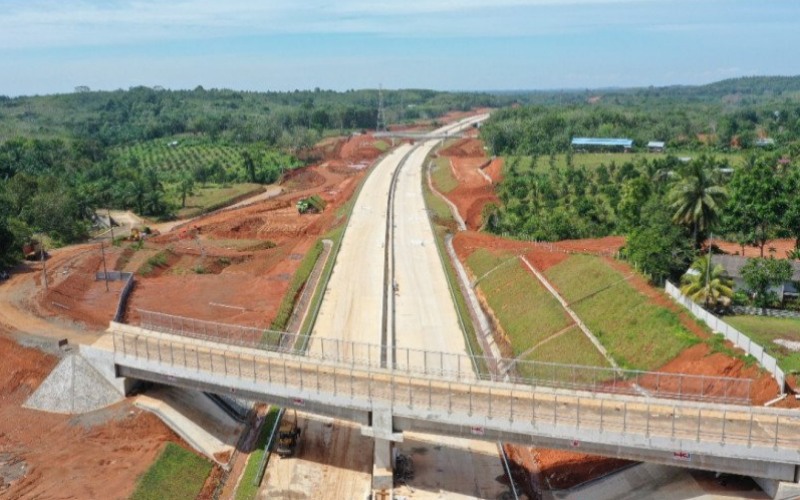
(215,196)
(593,160)
(247,490)
(637,333)
(482,261)
(177,473)
(298,280)
(571,348)
(527,312)
(382,146)
(765,330)
(442,176)
(158,260)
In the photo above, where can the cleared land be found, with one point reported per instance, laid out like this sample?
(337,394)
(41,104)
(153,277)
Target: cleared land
(765,331)
(637,333)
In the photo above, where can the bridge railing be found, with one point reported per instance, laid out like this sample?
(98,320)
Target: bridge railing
(460,367)
(766,433)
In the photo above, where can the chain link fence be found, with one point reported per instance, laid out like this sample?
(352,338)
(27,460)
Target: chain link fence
(460,367)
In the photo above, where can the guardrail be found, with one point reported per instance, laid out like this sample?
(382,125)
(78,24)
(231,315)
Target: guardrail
(738,338)
(459,366)
(122,303)
(745,433)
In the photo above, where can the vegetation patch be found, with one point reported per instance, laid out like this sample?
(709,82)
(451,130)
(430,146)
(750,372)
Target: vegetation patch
(247,490)
(442,175)
(177,473)
(637,333)
(571,348)
(157,261)
(527,312)
(215,196)
(298,281)
(766,330)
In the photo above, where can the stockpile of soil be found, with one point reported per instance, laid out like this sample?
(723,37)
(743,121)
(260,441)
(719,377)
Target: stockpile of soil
(96,455)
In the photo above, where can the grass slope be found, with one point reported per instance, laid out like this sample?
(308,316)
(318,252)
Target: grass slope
(527,312)
(442,175)
(637,333)
(764,331)
(572,347)
(177,473)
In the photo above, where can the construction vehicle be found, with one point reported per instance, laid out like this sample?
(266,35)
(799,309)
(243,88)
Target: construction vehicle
(311,205)
(287,436)
(33,250)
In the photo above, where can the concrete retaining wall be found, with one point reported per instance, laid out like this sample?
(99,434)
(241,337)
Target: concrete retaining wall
(126,290)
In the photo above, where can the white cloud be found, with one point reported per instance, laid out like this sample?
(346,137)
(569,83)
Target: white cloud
(59,23)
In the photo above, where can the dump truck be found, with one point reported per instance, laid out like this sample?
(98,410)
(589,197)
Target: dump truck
(311,205)
(287,436)
(33,250)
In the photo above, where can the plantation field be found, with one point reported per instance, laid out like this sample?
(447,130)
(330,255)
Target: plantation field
(176,474)
(527,312)
(442,175)
(765,331)
(593,160)
(188,154)
(214,196)
(637,333)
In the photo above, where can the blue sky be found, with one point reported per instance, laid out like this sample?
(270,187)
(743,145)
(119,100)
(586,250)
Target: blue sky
(50,46)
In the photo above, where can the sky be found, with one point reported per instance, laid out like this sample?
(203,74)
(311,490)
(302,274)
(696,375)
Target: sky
(53,46)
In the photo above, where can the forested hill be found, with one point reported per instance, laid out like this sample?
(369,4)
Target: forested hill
(143,113)
(731,114)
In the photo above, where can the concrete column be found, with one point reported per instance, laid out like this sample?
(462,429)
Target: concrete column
(382,431)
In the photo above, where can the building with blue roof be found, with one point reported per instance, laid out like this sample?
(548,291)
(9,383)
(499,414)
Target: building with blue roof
(602,143)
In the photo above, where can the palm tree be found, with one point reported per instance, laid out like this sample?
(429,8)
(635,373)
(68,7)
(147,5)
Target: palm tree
(697,196)
(712,287)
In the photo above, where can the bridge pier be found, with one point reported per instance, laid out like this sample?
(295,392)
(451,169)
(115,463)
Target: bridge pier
(382,431)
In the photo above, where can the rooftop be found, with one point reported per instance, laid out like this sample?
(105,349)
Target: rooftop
(600,141)
(733,265)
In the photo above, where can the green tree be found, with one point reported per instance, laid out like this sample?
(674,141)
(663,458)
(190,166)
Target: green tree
(761,275)
(698,197)
(657,246)
(758,202)
(185,188)
(707,284)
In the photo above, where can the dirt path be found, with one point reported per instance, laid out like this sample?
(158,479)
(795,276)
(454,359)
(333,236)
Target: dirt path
(18,300)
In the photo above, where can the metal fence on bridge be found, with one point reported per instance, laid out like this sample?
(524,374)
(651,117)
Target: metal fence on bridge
(460,367)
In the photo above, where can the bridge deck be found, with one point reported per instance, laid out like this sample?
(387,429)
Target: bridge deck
(477,408)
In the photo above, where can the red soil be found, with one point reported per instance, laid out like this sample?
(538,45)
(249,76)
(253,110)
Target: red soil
(96,455)
(474,190)
(781,248)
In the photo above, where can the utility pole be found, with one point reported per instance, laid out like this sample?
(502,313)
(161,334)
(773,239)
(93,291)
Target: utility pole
(110,225)
(44,265)
(103,253)
(708,269)
(381,125)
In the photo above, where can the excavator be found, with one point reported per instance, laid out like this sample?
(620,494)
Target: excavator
(287,436)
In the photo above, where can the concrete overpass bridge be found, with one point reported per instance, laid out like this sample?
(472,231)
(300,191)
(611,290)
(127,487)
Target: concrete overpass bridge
(755,441)
(419,136)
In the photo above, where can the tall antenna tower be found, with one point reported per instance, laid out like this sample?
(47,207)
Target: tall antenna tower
(381,125)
